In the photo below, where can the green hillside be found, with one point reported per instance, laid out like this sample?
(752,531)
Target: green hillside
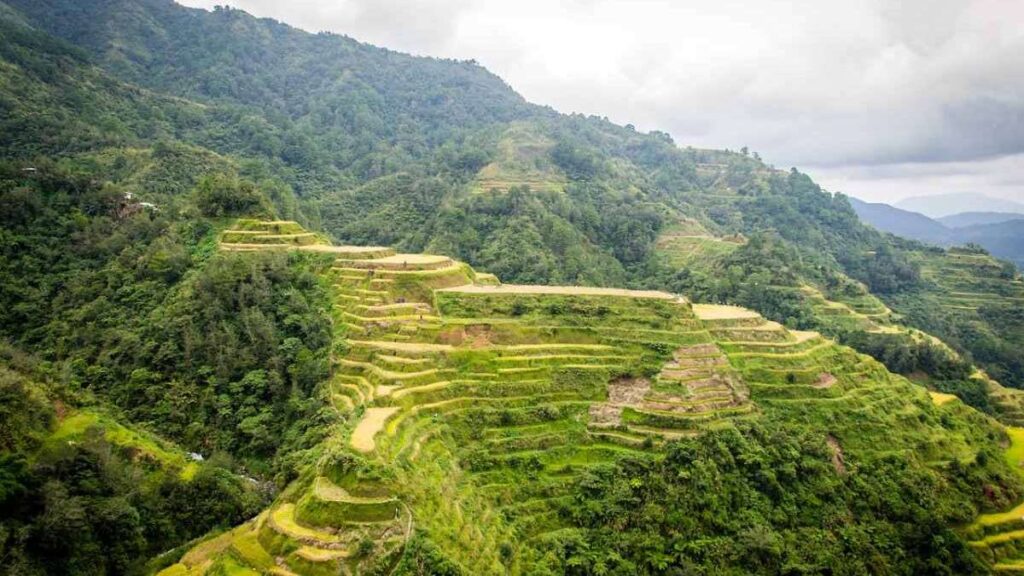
(225,236)
(482,425)
(92,493)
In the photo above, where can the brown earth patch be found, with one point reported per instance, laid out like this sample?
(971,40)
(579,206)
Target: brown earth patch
(697,350)
(825,380)
(628,391)
(838,459)
(452,337)
(706,362)
(473,335)
(479,335)
(605,415)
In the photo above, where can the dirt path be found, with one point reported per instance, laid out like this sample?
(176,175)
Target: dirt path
(568,290)
(721,312)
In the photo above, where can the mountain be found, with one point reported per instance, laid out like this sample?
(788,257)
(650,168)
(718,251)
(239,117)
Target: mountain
(365,287)
(494,404)
(1000,233)
(941,205)
(965,219)
(1002,239)
(902,222)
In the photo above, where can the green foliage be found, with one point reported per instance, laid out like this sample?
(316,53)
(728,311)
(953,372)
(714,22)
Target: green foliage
(423,558)
(223,352)
(90,501)
(219,195)
(765,499)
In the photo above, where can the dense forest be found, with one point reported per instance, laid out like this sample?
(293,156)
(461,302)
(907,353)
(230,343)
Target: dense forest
(133,132)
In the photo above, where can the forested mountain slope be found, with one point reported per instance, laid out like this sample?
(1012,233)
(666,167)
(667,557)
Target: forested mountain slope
(136,131)
(513,429)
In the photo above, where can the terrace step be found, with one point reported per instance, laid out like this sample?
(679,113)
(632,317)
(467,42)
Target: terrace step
(397,262)
(282,520)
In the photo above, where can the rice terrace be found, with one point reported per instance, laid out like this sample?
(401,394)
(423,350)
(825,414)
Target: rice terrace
(357,288)
(470,409)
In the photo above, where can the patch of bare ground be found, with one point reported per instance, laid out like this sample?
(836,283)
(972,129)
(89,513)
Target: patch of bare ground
(473,335)
(838,460)
(628,391)
(605,415)
(697,350)
(622,392)
(825,380)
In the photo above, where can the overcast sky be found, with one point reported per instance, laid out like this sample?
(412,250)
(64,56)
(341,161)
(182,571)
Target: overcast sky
(881,99)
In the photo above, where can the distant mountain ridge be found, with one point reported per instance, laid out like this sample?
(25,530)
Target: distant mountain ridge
(940,205)
(902,222)
(966,219)
(1002,234)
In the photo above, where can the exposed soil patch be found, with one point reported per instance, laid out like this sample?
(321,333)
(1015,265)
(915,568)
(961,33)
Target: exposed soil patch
(838,460)
(628,391)
(474,335)
(697,350)
(479,336)
(605,415)
(622,392)
(705,362)
(825,380)
(453,337)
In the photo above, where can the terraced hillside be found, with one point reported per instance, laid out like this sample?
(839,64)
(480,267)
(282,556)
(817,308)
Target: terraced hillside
(471,409)
(844,309)
(522,159)
(999,537)
(981,300)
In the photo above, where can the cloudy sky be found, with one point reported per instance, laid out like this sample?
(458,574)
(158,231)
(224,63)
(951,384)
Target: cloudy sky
(881,99)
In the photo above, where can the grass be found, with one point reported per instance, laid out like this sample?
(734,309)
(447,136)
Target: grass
(720,312)
(941,398)
(283,520)
(690,251)
(523,159)
(76,425)
(1015,453)
(372,423)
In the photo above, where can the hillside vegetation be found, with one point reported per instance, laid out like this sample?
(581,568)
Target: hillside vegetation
(223,236)
(491,428)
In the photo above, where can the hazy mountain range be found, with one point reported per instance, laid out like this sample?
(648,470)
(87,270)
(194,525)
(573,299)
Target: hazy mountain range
(1001,233)
(941,205)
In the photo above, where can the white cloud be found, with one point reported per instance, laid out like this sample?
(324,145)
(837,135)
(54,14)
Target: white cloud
(834,85)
